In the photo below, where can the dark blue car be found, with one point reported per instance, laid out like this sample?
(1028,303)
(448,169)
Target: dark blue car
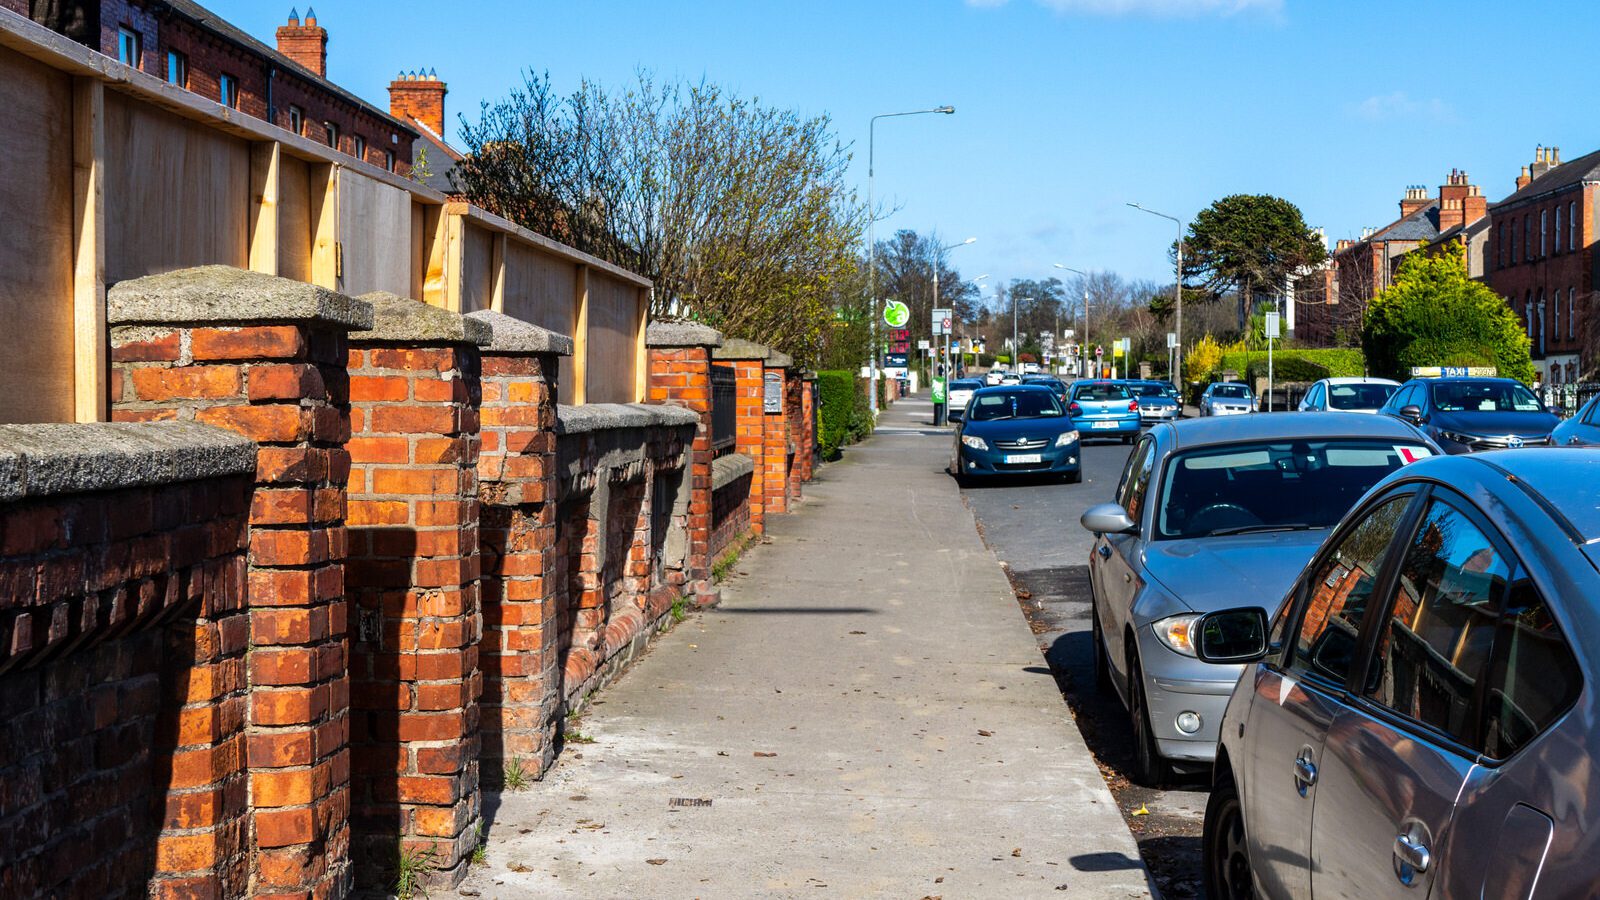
(1016,429)
(1465,415)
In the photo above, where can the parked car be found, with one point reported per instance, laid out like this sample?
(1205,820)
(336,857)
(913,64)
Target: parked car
(1226,398)
(959,392)
(1583,429)
(1366,395)
(1055,384)
(1012,430)
(1468,414)
(1155,403)
(993,376)
(1104,409)
(1416,720)
(1208,512)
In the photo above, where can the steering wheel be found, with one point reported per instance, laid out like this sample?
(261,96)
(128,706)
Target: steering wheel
(1228,515)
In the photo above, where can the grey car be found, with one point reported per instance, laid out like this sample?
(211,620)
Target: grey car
(1416,720)
(1209,511)
(1582,429)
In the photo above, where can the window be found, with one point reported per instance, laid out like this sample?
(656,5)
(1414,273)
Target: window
(361,147)
(228,91)
(1557,314)
(130,46)
(1527,237)
(1572,225)
(1357,396)
(1533,677)
(1558,228)
(177,69)
(1340,586)
(1500,248)
(388,160)
(331,133)
(297,120)
(1136,478)
(1572,312)
(1436,640)
(1513,229)
(1483,396)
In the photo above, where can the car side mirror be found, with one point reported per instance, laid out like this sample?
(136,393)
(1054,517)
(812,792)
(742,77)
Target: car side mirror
(1232,635)
(1556,411)
(1109,518)
(1411,413)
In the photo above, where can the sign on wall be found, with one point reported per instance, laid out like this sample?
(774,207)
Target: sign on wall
(772,396)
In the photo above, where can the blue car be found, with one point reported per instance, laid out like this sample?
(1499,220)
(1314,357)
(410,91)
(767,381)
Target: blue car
(1104,409)
(1469,414)
(1015,429)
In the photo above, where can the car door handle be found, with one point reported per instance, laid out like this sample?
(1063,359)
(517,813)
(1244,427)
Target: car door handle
(1105,551)
(1305,773)
(1412,853)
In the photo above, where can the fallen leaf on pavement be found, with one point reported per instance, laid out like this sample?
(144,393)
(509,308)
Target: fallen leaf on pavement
(722,753)
(858,632)
(519,867)
(982,733)
(1025,595)
(939,880)
(764,755)
(1016,851)
(656,862)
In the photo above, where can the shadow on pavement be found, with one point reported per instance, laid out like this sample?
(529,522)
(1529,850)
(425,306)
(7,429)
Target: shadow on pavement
(801,610)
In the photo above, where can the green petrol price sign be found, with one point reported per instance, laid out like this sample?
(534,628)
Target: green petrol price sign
(938,389)
(896,314)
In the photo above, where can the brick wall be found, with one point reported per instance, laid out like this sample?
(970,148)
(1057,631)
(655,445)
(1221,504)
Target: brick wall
(1526,271)
(680,375)
(751,433)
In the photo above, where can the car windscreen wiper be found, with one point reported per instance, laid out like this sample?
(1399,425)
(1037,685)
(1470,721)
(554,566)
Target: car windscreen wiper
(1261,529)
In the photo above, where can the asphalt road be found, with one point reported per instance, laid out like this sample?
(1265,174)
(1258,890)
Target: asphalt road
(1032,526)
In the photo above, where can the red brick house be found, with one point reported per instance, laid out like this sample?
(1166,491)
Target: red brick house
(1543,247)
(189,46)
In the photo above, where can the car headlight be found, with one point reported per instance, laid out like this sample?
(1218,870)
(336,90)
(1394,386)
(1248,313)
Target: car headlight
(1177,632)
(1460,437)
(1066,437)
(975,442)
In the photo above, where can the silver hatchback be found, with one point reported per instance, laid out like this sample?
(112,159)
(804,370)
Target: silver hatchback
(1209,513)
(1416,721)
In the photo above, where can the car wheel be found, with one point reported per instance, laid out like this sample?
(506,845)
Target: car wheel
(1102,665)
(1150,768)
(1226,855)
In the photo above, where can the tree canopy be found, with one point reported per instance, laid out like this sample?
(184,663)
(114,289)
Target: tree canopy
(1246,242)
(1434,315)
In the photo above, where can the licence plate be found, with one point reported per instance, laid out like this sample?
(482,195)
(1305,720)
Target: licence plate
(1024,458)
(1103,425)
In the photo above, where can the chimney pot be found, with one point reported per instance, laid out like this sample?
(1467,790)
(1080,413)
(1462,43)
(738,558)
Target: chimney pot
(294,16)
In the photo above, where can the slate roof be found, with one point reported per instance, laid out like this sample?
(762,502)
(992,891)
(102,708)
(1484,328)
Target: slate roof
(1422,225)
(1584,168)
(216,24)
(442,158)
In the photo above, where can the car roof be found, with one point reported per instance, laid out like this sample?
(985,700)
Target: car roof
(1285,426)
(997,388)
(1465,379)
(1227,384)
(1350,380)
(1566,478)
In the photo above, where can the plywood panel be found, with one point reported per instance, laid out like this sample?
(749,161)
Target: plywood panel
(177,193)
(294,218)
(375,230)
(477,269)
(613,340)
(36,241)
(539,288)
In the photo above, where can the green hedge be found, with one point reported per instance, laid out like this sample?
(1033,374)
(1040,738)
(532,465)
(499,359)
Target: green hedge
(845,416)
(1297,364)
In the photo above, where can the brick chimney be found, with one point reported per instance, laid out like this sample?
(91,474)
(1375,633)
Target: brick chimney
(418,95)
(1524,179)
(306,44)
(1460,201)
(1416,198)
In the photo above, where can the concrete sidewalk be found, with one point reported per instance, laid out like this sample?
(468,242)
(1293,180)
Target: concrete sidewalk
(866,713)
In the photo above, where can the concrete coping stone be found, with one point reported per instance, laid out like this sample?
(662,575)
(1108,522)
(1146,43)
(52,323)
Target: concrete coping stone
(731,467)
(681,333)
(605,416)
(808,375)
(226,295)
(739,348)
(404,320)
(51,460)
(512,335)
(780,360)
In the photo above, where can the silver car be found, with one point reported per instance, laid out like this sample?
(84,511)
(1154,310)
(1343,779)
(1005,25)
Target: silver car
(1227,398)
(1209,512)
(1416,721)
(1366,395)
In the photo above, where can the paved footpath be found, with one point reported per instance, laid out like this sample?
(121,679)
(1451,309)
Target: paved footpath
(866,712)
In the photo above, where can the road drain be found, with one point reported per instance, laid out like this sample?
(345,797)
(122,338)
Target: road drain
(688,801)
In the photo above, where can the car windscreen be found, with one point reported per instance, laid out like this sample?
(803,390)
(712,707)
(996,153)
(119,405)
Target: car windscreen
(1013,405)
(1272,485)
(1231,392)
(1100,393)
(1149,390)
(1360,396)
(1483,396)
(965,384)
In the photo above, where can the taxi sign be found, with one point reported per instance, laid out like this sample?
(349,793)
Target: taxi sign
(1453,371)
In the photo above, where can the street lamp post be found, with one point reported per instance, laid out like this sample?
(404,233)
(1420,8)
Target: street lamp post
(1177,286)
(938,259)
(872,241)
(1085,339)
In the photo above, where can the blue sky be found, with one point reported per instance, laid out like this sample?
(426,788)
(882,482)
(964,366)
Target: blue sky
(1066,109)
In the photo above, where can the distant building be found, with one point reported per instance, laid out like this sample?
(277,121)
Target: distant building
(193,48)
(1542,252)
(417,99)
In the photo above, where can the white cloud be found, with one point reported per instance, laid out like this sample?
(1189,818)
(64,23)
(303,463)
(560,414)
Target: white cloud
(1400,105)
(1154,8)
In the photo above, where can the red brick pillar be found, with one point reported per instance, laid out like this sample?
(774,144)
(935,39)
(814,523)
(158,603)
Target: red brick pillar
(680,375)
(808,425)
(775,483)
(749,366)
(517,496)
(413,583)
(265,357)
(793,409)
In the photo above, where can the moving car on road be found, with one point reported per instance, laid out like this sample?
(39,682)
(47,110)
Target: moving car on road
(1366,395)
(1155,403)
(1016,430)
(1226,398)
(1466,414)
(959,392)
(1208,512)
(993,376)
(1420,719)
(1104,409)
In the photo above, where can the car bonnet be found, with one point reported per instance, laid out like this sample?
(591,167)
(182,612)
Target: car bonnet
(1212,573)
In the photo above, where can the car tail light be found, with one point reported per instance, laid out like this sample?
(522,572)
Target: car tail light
(1074,410)
(1133,406)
